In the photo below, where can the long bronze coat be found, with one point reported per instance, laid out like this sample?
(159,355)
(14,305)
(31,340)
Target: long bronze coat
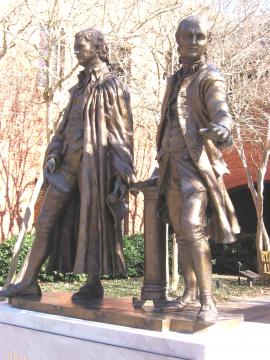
(206,102)
(86,238)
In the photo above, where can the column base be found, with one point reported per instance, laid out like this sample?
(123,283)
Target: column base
(166,305)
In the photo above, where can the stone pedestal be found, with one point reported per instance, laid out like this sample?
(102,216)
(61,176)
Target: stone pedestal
(31,335)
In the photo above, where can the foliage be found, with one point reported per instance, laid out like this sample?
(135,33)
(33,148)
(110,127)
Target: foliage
(133,250)
(134,254)
(226,257)
(6,249)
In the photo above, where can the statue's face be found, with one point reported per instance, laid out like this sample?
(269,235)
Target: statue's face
(84,50)
(192,40)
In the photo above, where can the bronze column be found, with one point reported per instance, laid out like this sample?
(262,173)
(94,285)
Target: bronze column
(155,285)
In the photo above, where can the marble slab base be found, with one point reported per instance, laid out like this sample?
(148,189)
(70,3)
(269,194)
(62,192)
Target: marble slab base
(120,311)
(29,335)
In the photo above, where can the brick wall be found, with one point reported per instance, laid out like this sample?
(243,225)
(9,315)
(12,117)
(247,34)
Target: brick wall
(237,177)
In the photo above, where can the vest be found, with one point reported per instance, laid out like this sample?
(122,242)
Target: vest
(173,140)
(73,133)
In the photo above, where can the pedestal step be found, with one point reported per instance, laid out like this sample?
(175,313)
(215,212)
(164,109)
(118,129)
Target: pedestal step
(29,335)
(121,312)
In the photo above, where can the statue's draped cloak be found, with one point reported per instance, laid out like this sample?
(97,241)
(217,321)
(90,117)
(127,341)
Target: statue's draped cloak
(206,102)
(85,238)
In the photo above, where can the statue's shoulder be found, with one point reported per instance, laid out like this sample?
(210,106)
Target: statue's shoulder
(72,89)
(110,79)
(212,73)
(111,82)
(172,78)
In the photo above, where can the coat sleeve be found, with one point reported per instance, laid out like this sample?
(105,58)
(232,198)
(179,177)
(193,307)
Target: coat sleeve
(214,94)
(119,125)
(55,147)
(171,81)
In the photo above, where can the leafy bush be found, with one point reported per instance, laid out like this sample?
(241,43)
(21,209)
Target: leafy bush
(133,250)
(134,254)
(226,257)
(6,249)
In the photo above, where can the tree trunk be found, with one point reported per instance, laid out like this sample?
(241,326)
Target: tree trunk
(262,238)
(259,238)
(266,241)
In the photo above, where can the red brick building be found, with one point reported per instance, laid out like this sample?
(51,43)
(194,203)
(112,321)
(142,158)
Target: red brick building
(236,183)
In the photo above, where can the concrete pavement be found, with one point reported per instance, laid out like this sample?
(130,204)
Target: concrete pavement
(255,309)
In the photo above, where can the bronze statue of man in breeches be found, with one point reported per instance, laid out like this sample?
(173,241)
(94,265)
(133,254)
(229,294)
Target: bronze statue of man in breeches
(88,166)
(195,124)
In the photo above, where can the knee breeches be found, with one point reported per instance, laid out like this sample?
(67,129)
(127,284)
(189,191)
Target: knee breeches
(186,198)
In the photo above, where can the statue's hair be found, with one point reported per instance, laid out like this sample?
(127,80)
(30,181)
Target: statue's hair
(97,38)
(192,19)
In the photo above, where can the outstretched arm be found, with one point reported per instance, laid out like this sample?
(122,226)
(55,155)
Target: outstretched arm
(215,100)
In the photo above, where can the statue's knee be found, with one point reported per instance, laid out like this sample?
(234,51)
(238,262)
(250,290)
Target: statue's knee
(193,233)
(38,223)
(43,224)
(188,229)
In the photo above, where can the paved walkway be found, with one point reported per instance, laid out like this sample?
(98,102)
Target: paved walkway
(256,309)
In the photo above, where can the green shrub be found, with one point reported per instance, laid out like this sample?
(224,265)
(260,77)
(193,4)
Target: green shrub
(6,249)
(225,257)
(134,254)
(133,251)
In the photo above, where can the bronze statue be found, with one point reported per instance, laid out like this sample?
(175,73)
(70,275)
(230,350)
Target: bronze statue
(88,166)
(195,124)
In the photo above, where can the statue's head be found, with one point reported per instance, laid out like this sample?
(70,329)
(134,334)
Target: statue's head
(89,45)
(192,37)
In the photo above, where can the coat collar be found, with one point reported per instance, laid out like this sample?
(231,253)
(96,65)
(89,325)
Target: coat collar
(189,68)
(95,72)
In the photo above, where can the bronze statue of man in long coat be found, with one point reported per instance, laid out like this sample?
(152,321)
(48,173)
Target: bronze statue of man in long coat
(88,166)
(195,125)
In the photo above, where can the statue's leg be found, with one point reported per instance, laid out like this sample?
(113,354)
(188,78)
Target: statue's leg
(174,204)
(202,262)
(52,207)
(93,289)
(190,294)
(193,229)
